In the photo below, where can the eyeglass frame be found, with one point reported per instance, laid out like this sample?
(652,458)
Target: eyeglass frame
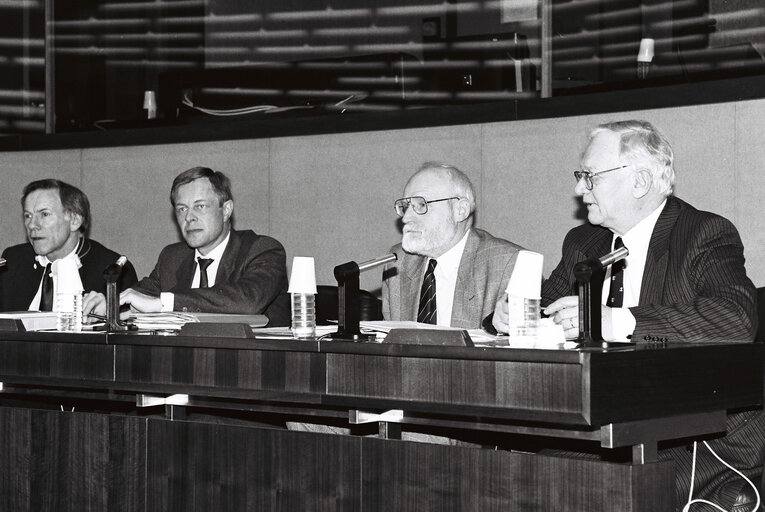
(587,175)
(425,202)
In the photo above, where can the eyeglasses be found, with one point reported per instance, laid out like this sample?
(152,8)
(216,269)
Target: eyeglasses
(418,203)
(587,175)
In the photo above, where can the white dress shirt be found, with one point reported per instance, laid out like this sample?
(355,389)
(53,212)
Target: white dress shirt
(446,280)
(168,298)
(43,262)
(636,240)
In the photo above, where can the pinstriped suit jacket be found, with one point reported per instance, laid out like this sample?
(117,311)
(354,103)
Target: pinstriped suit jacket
(484,271)
(694,289)
(694,285)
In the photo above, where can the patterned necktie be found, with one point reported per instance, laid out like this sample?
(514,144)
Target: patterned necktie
(616,291)
(46,297)
(427,312)
(203,264)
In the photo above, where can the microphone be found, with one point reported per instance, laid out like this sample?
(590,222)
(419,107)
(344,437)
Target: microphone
(113,271)
(352,268)
(612,257)
(347,276)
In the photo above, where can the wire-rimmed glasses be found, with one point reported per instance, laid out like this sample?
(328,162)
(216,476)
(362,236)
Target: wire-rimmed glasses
(418,203)
(587,175)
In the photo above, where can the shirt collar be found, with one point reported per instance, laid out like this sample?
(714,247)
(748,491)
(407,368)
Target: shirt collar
(640,234)
(43,260)
(451,258)
(217,253)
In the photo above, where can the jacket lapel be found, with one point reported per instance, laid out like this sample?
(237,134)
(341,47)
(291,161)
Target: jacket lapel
(228,261)
(411,279)
(184,274)
(465,290)
(652,287)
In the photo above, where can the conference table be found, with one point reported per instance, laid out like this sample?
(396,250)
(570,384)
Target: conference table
(152,422)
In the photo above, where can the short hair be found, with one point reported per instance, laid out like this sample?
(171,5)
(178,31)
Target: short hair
(219,181)
(461,183)
(72,198)
(644,146)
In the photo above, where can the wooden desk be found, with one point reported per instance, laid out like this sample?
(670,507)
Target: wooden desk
(122,457)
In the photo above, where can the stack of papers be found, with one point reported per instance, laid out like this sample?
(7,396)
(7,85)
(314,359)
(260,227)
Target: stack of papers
(33,320)
(174,320)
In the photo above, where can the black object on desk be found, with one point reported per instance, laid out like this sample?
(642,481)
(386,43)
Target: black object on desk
(347,276)
(590,274)
(111,276)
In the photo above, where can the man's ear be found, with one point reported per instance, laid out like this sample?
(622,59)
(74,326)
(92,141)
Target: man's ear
(462,209)
(642,183)
(75,221)
(228,210)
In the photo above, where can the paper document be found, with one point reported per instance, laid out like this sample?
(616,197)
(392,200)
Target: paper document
(33,320)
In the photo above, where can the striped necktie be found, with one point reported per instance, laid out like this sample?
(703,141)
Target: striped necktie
(427,311)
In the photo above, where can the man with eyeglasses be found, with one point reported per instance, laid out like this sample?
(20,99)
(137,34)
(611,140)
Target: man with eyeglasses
(447,272)
(216,269)
(683,281)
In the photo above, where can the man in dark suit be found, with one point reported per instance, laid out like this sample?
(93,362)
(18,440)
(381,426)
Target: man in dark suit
(56,219)
(683,281)
(471,268)
(217,269)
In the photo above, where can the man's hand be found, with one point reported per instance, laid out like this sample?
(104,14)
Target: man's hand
(501,315)
(140,301)
(95,303)
(565,312)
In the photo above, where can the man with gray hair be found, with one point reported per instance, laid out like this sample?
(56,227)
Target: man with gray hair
(447,272)
(683,281)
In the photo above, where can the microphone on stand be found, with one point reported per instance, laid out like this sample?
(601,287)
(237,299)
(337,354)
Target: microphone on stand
(347,276)
(590,329)
(112,275)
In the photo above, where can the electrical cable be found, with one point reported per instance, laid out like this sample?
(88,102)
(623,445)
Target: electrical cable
(692,501)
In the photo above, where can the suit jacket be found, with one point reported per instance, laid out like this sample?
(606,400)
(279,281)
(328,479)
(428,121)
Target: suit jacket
(694,289)
(251,279)
(694,286)
(20,278)
(482,277)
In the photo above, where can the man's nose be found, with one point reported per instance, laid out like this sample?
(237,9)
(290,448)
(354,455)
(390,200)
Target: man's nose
(580,189)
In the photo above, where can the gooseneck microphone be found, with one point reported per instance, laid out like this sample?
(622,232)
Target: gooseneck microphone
(112,276)
(347,276)
(590,287)
(612,257)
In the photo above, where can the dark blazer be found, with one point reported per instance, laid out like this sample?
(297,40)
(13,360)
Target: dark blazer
(694,289)
(20,278)
(694,285)
(251,279)
(484,271)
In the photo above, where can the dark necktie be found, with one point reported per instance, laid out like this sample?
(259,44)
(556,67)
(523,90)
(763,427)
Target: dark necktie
(616,291)
(203,264)
(427,312)
(46,297)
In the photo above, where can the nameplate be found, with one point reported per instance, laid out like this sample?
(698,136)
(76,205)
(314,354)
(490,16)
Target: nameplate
(217,330)
(451,337)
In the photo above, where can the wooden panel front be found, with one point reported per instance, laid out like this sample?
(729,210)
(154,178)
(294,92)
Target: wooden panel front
(413,477)
(33,360)
(203,467)
(226,371)
(525,390)
(64,461)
